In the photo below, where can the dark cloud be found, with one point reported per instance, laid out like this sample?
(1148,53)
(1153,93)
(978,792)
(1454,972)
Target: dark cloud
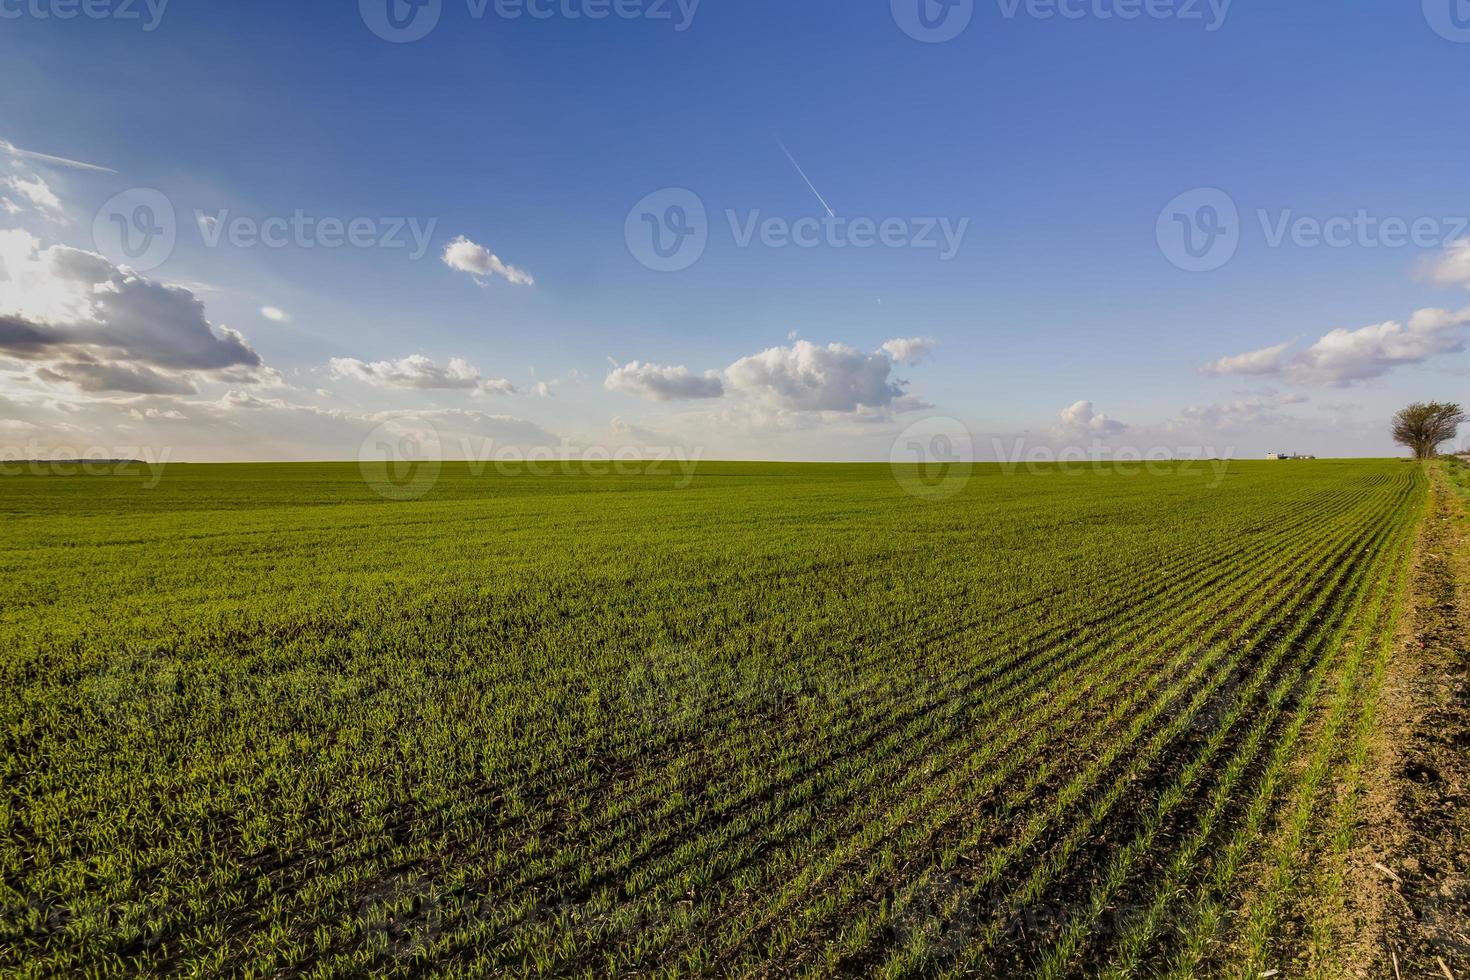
(125,333)
(22,338)
(138,320)
(96,376)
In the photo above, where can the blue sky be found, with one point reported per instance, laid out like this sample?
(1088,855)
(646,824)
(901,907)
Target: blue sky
(1055,142)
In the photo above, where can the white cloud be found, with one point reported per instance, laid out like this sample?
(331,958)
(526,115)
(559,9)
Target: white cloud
(805,377)
(464,255)
(1267,360)
(659,382)
(1080,416)
(1342,357)
(909,350)
(38,193)
(779,384)
(171,414)
(275,314)
(420,373)
(1453,267)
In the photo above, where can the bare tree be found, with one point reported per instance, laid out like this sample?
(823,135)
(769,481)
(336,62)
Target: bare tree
(1424,425)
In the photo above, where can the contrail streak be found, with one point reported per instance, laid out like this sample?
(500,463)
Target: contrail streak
(830,212)
(48,158)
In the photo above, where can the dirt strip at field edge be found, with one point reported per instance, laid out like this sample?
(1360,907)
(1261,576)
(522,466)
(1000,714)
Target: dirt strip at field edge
(1409,874)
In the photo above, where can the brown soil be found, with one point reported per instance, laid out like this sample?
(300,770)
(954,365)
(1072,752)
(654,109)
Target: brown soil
(1409,875)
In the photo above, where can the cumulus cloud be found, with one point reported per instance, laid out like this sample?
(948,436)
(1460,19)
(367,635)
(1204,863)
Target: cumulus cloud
(275,314)
(1080,416)
(1343,357)
(419,372)
(78,310)
(780,383)
(909,350)
(1452,268)
(661,382)
(463,255)
(806,377)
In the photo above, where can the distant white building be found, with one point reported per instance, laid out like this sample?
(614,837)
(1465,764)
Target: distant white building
(1289,456)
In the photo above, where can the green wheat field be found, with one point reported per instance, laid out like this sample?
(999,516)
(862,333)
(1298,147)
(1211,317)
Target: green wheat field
(757,720)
